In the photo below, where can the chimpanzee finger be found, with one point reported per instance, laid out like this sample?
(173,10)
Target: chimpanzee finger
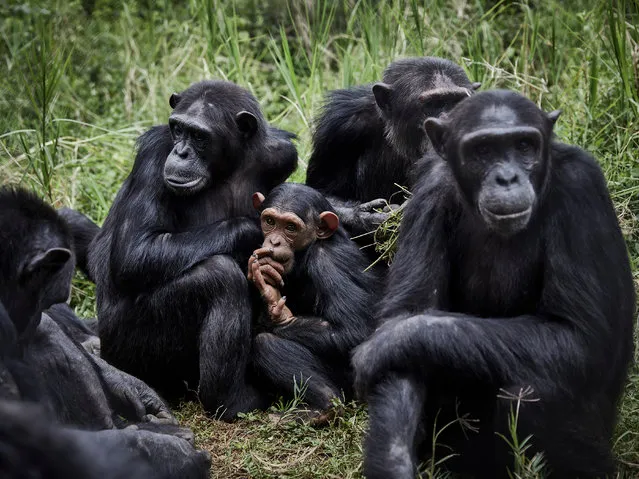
(276,312)
(374,219)
(261,252)
(372,205)
(249,272)
(391,207)
(279,267)
(258,279)
(271,275)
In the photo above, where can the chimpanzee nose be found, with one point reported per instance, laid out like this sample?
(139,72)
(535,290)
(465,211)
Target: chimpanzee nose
(182,151)
(275,240)
(507,177)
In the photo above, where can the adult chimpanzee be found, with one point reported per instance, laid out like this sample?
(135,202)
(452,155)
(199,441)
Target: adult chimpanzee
(36,265)
(511,276)
(368,139)
(326,309)
(173,305)
(40,363)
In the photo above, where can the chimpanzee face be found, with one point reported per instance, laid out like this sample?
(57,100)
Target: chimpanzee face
(406,105)
(498,153)
(203,138)
(285,233)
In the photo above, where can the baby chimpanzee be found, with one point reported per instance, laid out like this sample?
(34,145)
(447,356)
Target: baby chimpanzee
(318,294)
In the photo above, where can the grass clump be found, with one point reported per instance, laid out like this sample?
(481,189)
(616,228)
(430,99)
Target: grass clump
(81,79)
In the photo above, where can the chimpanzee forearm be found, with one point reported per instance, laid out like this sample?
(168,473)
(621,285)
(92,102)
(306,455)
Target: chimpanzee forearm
(154,258)
(497,351)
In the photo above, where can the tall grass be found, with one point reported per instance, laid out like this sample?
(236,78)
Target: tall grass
(81,79)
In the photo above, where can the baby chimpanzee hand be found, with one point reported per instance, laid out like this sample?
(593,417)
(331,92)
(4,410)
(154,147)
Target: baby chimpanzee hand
(276,304)
(271,269)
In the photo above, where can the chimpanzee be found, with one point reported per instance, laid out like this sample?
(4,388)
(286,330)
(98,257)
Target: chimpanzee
(511,281)
(40,364)
(318,294)
(174,305)
(368,139)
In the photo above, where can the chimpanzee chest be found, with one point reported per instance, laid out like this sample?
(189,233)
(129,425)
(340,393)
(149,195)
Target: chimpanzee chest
(495,277)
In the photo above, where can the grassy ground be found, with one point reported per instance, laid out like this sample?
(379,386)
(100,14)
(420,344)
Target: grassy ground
(81,79)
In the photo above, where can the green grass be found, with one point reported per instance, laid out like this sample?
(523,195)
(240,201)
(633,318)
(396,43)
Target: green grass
(81,79)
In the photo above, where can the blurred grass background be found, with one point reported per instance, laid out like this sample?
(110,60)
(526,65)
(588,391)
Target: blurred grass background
(81,79)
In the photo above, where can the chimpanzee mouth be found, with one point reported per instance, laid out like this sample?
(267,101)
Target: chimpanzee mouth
(510,216)
(182,187)
(179,183)
(506,224)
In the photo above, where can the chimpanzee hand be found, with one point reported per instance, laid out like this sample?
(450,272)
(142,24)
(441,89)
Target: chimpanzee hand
(271,270)
(276,303)
(133,398)
(365,217)
(375,357)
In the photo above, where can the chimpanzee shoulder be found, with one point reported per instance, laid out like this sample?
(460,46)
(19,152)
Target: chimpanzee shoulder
(349,125)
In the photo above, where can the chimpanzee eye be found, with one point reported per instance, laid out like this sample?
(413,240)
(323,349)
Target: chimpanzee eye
(199,137)
(482,149)
(291,227)
(269,221)
(524,146)
(177,129)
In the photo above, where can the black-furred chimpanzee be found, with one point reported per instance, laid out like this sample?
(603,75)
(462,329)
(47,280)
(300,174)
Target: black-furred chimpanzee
(174,306)
(318,296)
(368,138)
(40,363)
(511,280)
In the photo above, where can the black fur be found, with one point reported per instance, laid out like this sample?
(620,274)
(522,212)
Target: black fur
(473,316)
(43,362)
(83,231)
(360,153)
(173,304)
(331,296)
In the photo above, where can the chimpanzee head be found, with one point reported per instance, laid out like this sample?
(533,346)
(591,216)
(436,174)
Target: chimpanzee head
(36,259)
(293,217)
(213,124)
(498,146)
(414,89)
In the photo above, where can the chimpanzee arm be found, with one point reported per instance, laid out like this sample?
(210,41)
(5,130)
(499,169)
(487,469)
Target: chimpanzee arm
(582,329)
(153,257)
(420,272)
(83,231)
(344,295)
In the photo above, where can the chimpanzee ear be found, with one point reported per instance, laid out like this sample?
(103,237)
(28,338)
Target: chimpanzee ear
(553,116)
(436,129)
(328,225)
(174,100)
(258,199)
(49,262)
(476,85)
(246,122)
(382,92)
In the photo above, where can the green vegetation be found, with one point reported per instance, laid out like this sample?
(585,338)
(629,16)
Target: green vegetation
(82,78)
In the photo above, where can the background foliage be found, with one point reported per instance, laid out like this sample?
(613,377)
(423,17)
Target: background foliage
(80,80)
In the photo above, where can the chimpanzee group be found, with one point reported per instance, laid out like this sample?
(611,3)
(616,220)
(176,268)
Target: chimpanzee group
(510,288)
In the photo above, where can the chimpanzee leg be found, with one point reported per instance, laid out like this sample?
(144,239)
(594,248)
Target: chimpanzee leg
(225,343)
(395,410)
(575,440)
(284,363)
